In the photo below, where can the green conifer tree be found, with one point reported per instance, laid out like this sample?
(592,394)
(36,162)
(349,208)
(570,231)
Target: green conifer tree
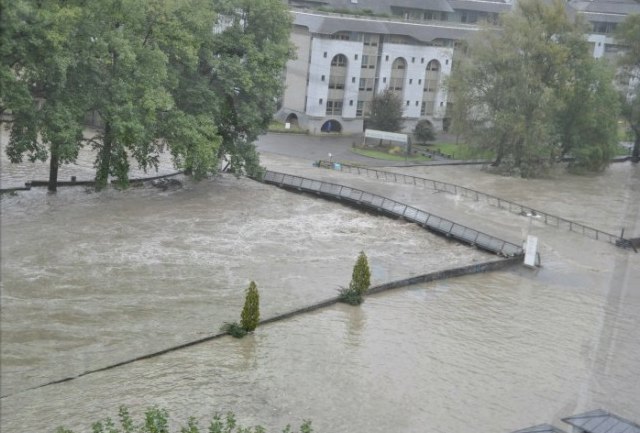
(251,311)
(361,277)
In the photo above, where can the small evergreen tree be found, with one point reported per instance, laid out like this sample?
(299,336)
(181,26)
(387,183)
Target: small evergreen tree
(251,311)
(360,282)
(424,131)
(361,277)
(386,112)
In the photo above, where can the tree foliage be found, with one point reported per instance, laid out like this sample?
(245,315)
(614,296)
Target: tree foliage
(250,316)
(360,282)
(424,131)
(156,420)
(628,34)
(386,112)
(154,72)
(532,93)
(361,276)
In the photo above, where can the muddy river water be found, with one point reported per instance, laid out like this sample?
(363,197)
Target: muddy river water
(91,279)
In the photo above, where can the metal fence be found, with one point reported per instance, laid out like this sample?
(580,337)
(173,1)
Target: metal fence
(394,208)
(513,207)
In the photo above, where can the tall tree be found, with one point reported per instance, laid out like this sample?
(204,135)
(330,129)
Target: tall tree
(244,63)
(516,92)
(40,84)
(628,34)
(386,111)
(154,72)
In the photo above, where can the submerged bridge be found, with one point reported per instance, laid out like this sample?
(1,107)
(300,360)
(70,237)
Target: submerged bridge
(547,218)
(394,208)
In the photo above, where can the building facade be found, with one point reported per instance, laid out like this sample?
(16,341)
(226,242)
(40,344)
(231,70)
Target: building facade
(347,51)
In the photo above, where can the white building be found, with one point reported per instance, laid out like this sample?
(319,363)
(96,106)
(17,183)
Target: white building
(349,50)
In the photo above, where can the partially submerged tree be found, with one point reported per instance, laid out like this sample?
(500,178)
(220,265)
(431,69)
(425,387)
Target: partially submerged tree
(386,111)
(360,282)
(250,316)
(154,72)
(40,83)
(532,93)
(628,34)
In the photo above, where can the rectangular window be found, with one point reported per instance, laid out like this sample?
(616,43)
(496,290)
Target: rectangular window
(365,60)
(360,109)
(336,82)
(351,103)
(410,80)
(408,102)
(334,108)
(353,79)
(355,57)
(362,84)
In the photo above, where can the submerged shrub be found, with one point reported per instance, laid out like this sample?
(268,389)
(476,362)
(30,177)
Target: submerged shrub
(234,329)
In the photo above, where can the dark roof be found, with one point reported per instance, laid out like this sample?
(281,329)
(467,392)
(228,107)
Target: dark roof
(424,32)
(610,7)
(600,421)
(384,6)
(481,6)
(541,428)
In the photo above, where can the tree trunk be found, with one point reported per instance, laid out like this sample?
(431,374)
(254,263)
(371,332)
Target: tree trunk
(104,158)
(53,169)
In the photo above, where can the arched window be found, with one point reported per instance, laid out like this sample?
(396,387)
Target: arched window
(431,83)
(398,71)
(338,73)
(339,60)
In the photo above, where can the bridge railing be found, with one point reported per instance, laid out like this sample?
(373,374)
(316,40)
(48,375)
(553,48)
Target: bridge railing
(392,207)
(511,206)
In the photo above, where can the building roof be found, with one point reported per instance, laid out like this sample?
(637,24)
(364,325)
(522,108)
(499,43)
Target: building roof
(613,7)
(480,6)
(329,24)
(600,421)
(385,6)
(540,428)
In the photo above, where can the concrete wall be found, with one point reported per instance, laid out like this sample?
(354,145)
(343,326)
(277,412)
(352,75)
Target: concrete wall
(297,71)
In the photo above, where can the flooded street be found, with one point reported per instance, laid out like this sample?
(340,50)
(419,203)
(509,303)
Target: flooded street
(91,279)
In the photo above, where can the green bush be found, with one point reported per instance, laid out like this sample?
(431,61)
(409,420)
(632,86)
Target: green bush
(157,421)
(234,329)
(251,311)
(350,296)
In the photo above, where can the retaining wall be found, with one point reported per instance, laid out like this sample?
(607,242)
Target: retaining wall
(432,276)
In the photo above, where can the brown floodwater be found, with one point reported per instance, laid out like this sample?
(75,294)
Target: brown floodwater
(90,279)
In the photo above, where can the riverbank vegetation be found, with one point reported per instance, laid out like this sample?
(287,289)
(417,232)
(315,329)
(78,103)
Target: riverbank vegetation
(153,74)
(156,420)
(533,94)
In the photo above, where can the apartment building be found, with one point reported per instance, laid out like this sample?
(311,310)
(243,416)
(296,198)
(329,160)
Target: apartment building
(349,50)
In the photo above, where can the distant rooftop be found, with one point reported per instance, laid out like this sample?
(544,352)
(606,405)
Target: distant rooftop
(387,6)
(328,23)
(600,421)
